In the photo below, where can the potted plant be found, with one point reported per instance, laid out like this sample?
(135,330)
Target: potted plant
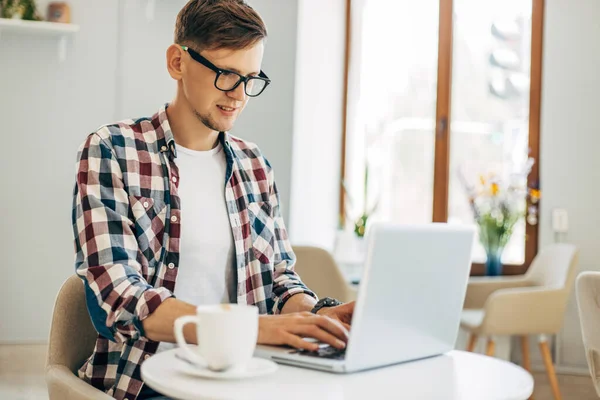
(19,9)
(361,221)
(350,248)
(497,206)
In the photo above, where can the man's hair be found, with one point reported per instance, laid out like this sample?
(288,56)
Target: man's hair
(217,24)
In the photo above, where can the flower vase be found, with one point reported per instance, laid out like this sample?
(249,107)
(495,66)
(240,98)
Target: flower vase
(493,264)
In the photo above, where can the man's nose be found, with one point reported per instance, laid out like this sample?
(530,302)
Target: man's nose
(238,93)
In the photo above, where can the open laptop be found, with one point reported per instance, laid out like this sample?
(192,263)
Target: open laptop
(409,300)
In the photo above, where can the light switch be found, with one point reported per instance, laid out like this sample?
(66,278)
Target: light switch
(560,220)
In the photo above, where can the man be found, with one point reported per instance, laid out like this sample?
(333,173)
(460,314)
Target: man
(171,211)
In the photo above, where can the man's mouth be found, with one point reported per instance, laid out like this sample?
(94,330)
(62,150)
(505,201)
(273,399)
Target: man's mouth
(224,108)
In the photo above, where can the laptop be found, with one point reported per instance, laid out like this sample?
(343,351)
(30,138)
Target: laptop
(409,301)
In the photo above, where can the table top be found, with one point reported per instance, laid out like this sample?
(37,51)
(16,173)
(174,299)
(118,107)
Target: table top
(455,375)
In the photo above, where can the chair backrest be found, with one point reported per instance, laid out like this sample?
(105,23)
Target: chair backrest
(72,335)
(588,302)
(555,266)
(319,271)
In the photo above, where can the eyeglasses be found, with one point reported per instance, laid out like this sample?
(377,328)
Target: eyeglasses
(227,81)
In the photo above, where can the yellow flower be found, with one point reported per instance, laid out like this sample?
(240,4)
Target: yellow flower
(495,189)
(535,195)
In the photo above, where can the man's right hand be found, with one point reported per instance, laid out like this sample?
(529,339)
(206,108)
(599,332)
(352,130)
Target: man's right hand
(290,329)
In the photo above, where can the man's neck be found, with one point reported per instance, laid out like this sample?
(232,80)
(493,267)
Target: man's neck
(188,131)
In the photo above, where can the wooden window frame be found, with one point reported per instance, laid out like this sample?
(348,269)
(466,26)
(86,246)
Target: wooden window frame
(442,128)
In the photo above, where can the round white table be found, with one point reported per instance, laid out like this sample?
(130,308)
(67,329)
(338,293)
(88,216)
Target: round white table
(455,375)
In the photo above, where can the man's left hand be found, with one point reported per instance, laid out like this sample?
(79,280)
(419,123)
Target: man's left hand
(342,313)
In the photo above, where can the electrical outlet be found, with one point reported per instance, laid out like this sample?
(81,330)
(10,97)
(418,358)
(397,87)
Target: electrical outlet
(560,220)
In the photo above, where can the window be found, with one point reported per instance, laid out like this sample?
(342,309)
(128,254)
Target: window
(434,87)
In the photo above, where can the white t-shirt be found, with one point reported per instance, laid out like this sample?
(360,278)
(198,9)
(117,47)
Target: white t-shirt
(207,273)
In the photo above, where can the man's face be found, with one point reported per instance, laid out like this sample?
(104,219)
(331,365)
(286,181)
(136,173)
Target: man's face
(216,109)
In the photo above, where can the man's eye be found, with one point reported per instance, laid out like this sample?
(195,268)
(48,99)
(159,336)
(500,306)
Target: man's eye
(227,73)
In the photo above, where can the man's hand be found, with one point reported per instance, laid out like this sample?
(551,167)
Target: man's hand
(289,329)
(342,313)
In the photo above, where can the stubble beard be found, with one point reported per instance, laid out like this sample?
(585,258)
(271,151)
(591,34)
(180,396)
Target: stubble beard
(208,121)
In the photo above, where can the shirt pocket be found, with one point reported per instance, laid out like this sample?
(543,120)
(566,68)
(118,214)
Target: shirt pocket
(262,230)
(149,216)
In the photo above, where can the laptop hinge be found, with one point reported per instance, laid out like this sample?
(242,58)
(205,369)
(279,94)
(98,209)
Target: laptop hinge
(296,361)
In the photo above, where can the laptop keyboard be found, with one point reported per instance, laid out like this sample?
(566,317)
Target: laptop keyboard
(323,352)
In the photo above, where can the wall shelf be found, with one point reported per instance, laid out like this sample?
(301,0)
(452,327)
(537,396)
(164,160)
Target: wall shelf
(41,28)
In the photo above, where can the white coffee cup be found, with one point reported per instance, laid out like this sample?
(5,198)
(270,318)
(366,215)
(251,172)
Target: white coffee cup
(226,333)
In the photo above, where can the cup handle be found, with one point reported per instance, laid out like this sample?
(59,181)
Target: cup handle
(179,324)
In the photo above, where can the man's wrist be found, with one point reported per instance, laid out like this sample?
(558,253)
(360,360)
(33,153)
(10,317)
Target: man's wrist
(323,311)
(299,302)
(325,303)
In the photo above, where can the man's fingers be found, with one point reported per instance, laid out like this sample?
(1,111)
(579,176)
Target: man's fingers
(289,329)
(299,343)
(316,332)
(331,325)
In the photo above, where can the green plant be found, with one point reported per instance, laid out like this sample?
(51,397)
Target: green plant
(7,8)
(360,222)
(26,9)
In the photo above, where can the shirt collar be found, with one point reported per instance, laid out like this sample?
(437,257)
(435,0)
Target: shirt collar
(166,140)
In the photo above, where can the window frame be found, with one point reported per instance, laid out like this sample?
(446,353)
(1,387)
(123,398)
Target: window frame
(442,128)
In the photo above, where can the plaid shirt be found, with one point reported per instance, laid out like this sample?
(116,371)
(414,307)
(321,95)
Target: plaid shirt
(127,226)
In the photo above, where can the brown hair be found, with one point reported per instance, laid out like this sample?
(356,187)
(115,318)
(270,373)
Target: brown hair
(217,24)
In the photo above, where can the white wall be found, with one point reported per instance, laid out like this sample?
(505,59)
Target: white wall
(46,109)
(141,76)
(570,139)
(115,68)
(318,122)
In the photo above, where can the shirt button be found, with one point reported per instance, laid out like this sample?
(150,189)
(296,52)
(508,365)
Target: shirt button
(171,265)
(147,356)
(146,204)
(174,218)
(164,148)
(174,179)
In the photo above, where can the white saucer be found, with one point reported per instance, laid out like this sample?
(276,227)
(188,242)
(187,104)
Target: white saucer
(256,367)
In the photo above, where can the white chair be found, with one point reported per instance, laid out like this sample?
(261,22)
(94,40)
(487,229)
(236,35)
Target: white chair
(588,301)
(319,271)
(531,304)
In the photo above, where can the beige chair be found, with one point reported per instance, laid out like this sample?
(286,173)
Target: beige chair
(319,271)
(588,300)
(72,339)
(531,304)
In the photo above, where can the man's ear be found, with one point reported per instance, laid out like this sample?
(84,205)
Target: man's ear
(175,64)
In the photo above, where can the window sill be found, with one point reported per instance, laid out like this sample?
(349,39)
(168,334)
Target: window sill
(477,269)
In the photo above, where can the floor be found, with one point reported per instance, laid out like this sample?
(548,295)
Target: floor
(22,377)
(22,372)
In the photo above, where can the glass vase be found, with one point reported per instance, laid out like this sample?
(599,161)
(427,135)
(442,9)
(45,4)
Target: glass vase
(493,263)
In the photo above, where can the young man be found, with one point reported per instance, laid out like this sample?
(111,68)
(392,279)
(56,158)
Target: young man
(171,211)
